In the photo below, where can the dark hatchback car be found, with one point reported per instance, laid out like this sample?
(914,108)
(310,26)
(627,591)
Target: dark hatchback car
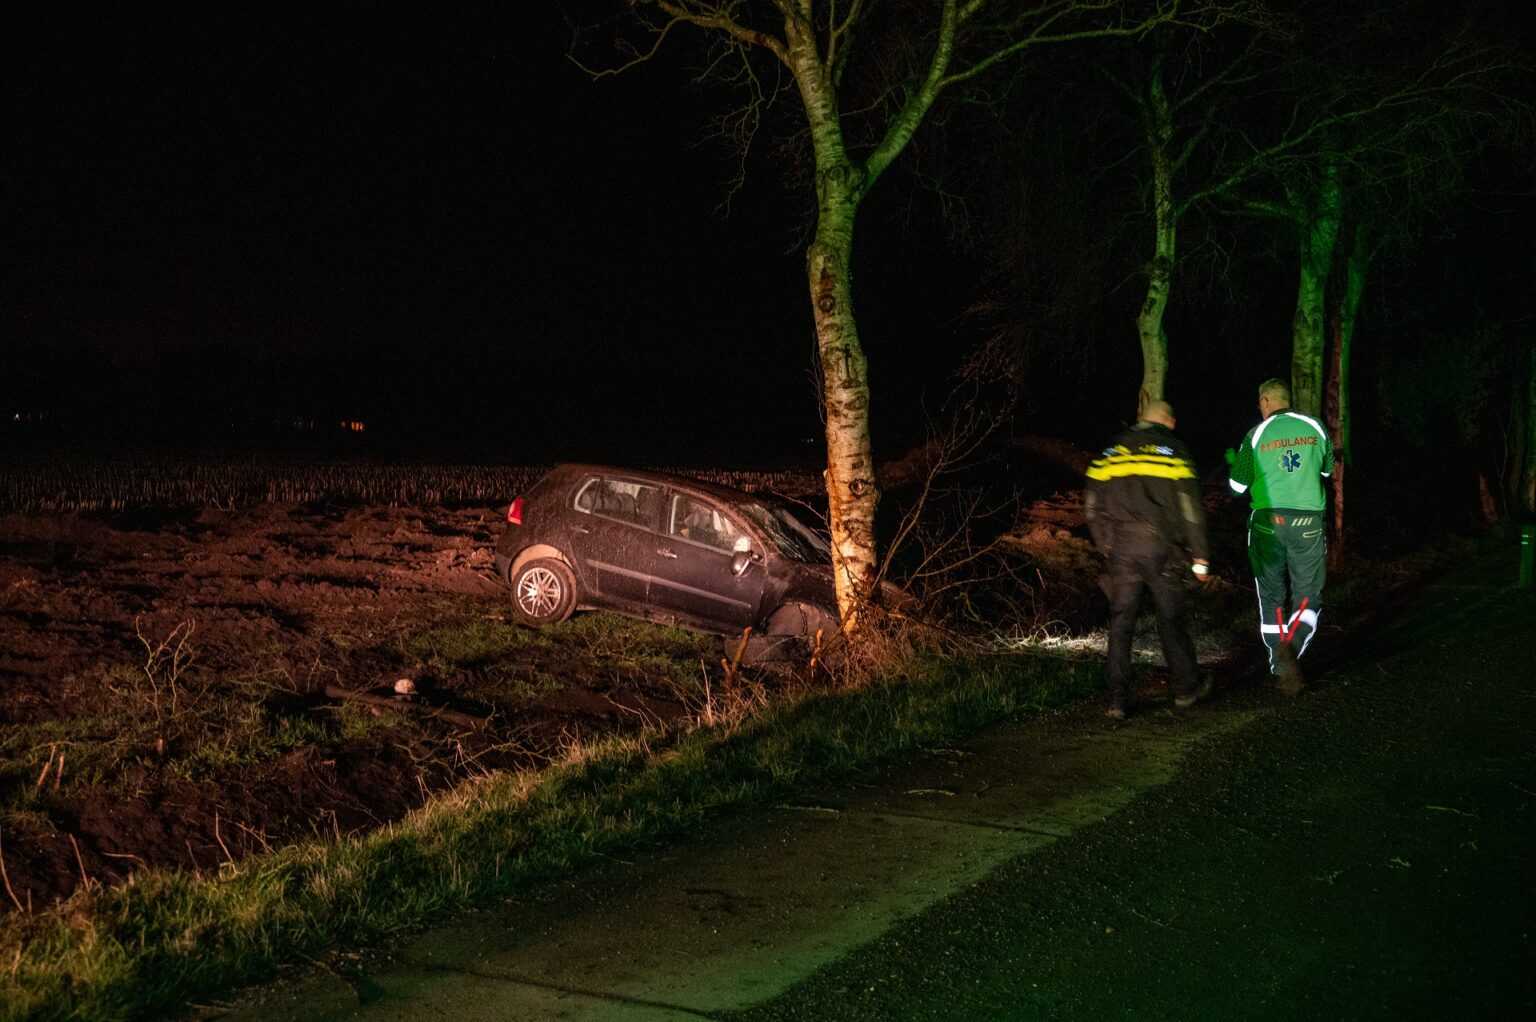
(665,549)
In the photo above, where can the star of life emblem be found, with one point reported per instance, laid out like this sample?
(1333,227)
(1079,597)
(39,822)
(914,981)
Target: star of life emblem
(1290,461)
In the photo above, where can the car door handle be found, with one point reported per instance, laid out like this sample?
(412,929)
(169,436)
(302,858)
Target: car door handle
(667,552)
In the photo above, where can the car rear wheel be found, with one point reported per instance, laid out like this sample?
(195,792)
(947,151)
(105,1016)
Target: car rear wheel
(543,592)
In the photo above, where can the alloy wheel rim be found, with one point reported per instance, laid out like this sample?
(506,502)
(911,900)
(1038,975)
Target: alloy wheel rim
(539,592)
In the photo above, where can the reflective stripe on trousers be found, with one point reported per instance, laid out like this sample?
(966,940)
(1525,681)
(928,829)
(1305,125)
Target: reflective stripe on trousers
(1288,552)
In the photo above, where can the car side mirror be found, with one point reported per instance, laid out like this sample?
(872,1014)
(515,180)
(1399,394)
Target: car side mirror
(741,560)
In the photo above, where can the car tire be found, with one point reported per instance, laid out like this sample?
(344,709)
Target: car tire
(543,592)
(789,636)
(803,619)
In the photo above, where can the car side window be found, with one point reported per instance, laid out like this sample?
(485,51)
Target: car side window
(619,499)
(702,523)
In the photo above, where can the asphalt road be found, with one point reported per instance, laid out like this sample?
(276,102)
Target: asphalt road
(1362,852)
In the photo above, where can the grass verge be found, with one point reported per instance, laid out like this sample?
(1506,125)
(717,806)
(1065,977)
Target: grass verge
(167,938)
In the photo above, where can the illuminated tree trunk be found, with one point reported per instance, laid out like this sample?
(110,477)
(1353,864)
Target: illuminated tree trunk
(1157,121)
(1528,484)
(851,493)
(1319,231)
(1355,268)
(1333,418)
(1338,379)
(841,185)
(1522,403)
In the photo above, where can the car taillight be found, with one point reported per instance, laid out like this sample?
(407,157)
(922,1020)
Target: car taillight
(515,512)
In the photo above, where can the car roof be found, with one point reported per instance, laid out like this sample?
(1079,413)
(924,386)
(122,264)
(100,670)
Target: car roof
(719,491)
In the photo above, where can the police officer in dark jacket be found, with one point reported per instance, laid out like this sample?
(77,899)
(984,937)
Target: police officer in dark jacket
(1143,509)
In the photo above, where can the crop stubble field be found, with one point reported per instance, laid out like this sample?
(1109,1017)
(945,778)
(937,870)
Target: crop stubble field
(198,660)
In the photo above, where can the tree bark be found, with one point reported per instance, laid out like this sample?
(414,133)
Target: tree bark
(841,185)
(1333,414)
(1528,484)
(1522,405)
(851,492)
(1355,269)
(1157,121)
(1338,416)
(1319,232)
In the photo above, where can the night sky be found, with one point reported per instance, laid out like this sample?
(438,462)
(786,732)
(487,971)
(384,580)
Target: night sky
(223,218)
(429,220)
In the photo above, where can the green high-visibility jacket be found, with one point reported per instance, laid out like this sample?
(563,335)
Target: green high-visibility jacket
(1283,461)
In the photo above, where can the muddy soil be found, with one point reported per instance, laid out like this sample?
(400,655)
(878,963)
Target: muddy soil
(174,684)
(132,646)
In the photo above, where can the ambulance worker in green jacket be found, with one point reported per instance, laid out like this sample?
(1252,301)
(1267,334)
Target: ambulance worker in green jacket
(1281,465)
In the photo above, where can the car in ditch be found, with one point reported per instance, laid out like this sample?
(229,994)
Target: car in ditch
(669,549)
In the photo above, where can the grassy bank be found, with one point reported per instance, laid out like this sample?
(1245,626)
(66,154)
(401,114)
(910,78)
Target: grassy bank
(169,938)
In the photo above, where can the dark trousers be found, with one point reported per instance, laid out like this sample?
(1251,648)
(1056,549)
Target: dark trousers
(1145,559)
(1287,550)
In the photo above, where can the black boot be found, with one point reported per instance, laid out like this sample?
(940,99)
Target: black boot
(1200,691)
(1290,681)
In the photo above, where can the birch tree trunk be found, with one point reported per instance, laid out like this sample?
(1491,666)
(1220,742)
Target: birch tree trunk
(841,185)
(851,492)
(1157,121)
(1355,268)
(1512,470)
(1528,484)
(1356,265)
(1333,418)
(1319,233)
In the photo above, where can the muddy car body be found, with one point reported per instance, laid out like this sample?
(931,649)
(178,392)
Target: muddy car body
(666,549)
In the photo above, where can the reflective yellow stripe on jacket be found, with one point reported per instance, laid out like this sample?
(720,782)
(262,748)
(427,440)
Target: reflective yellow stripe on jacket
(1117,466)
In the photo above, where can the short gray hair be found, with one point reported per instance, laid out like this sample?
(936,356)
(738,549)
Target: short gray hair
(1276,389)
